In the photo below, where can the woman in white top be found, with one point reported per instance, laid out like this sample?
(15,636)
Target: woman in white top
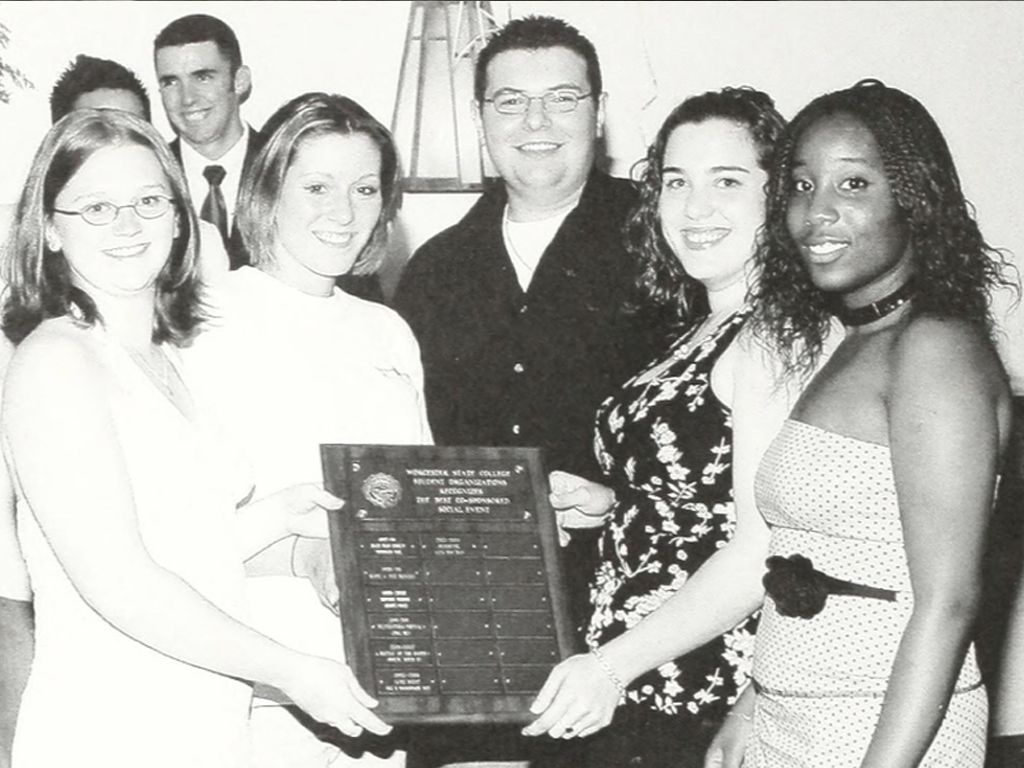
(126,498)
(290,361)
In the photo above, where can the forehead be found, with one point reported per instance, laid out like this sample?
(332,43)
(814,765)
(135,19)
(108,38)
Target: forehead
(111,98)
(337,154)
(712,142)
(536,70)
(837,138)
(180,59)
(115,168)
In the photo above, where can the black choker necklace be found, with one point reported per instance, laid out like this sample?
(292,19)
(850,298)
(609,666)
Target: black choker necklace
(876,310)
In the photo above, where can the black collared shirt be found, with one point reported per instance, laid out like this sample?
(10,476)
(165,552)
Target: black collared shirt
(504,367)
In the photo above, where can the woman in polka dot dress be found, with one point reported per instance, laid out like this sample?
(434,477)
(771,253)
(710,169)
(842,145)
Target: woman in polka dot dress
(878,488)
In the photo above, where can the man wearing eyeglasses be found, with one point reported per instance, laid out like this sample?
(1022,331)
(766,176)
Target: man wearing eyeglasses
(519,309)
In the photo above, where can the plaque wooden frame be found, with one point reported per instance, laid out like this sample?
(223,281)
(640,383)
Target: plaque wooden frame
(452,589)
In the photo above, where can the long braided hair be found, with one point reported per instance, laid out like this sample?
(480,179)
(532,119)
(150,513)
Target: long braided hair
(955,269)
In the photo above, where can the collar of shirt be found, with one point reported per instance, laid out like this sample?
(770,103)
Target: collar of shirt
(233,163)
(526,242)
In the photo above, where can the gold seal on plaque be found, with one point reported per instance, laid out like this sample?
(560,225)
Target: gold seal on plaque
(382,490)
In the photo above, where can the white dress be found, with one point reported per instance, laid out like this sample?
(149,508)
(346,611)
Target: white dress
(287,371)
(821,681)
(96,697)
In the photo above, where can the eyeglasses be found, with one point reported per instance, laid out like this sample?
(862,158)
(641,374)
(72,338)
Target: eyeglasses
(516,102)
(102,213)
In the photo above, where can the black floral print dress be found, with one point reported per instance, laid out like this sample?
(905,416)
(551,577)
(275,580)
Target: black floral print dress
(665,446)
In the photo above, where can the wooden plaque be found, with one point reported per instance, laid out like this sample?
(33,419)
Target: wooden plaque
(453,602)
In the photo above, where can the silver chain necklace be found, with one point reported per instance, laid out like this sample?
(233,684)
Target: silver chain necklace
(161,376)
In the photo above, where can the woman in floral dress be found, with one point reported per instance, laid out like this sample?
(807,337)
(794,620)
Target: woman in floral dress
(664,442)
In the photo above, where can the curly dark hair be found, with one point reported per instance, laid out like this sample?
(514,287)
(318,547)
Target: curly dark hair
(662,279)
(531,33)
(955,270)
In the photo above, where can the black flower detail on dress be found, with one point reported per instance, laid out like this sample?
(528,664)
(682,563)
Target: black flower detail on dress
(795,586)
(800,590)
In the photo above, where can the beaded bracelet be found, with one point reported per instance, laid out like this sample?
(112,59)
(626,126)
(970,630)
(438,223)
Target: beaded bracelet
(609,672)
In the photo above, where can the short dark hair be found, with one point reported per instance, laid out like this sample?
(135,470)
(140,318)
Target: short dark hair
(662,278)
(955,269)
(201,28)
(39,279)
(87,74)
(305,116)
(531,33)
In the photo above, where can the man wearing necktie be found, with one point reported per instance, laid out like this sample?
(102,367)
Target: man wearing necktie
(214,208)
(202,85)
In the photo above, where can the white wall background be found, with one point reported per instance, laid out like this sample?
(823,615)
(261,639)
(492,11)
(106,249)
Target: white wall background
(963,60)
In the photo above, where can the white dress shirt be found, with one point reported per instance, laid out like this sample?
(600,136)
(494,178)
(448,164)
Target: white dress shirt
(233,163)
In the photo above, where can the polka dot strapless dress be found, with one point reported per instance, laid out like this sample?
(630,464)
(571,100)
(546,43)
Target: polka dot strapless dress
(821,680)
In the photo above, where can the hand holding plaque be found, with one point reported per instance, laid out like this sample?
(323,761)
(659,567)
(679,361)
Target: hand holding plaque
(328,691)
(578,699)
(452,599)
(578,503)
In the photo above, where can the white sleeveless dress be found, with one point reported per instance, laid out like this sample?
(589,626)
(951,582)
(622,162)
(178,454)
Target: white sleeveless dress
(96,697)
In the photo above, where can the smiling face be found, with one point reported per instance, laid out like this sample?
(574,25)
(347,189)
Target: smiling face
(329,205)
(544,157)
(124,257)
(712,200)
(842,213)
(201,95)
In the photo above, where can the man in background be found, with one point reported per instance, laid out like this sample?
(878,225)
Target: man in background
(203,82)
(520,308)
(99,84)
(89,82)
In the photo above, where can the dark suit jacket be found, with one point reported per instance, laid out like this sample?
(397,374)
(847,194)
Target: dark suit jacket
(237,254)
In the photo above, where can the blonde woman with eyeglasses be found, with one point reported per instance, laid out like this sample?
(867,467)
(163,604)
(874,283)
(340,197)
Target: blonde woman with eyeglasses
(126,497)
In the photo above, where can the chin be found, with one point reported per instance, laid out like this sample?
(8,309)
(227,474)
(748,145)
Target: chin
(334,268)
(828,284)
(827,278)
(544,177)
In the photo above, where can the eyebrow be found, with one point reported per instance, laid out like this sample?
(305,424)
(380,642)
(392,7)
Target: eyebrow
(559,87)
(104,195)
(308,174)
(714,169)
(853,160)
(170,78)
